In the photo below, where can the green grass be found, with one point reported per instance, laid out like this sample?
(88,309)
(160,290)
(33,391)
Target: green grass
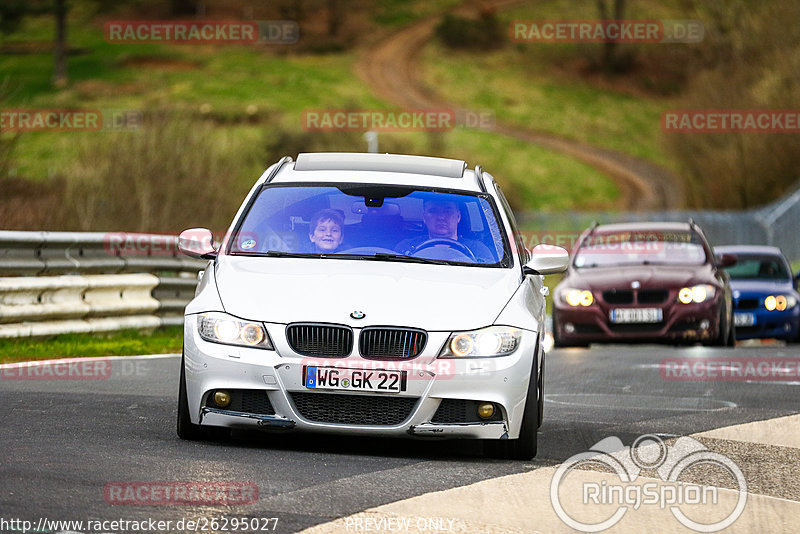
(535,178)
(223,83)
(123,343)
(536,85)
(398,13)
(527,95)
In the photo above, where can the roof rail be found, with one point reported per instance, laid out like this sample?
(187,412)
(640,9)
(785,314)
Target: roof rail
(359,161)
(479,178)
(284,160)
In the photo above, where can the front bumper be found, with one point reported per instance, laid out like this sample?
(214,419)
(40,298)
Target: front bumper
(680,322)
(279,374)
(769,324)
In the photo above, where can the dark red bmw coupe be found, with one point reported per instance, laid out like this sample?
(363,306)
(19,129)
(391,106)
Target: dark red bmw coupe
(644,282)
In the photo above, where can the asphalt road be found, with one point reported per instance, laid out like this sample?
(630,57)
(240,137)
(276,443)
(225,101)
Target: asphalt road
(63,441)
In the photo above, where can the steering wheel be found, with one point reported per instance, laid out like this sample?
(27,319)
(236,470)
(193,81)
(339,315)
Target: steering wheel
(452,243)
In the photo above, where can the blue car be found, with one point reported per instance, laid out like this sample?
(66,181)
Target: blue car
(766,303)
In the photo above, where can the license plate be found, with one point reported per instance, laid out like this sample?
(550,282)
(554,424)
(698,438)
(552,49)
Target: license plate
(744,319)
(377,380)
(636,315)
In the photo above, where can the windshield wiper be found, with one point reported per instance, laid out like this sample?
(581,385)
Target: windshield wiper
(281,254)
(403,257)
(377,256)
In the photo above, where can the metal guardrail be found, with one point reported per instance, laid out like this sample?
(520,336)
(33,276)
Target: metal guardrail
(775,224)
(58,282)
(66,282)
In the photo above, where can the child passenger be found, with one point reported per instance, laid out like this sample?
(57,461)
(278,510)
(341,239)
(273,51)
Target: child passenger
(325,230)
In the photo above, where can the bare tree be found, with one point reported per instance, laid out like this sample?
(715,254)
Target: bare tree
(610,49)
(335,17)
(60,44)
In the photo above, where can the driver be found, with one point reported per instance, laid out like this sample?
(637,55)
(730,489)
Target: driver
(441,218)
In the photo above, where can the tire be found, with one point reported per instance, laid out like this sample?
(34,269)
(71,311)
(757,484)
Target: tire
(796,338)
(731,341)
(540,403)
(185,428)
(723,334)
(557,343)
(524,447)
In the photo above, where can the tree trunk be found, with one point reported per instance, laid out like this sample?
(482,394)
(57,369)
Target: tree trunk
(60,45)
(335,16)
(610,48)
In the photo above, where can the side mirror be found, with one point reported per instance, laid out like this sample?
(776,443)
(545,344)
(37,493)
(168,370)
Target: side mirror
(197,243)
(727,260)
(547,259)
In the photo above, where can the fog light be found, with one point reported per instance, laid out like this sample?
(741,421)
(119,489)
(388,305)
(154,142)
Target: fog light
(222,398)
(569,328)
(704,324)
(485,410)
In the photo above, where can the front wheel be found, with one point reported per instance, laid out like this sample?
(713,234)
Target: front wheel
(186,429)
(731,341)
(725,333)
(524,447)
(540,404)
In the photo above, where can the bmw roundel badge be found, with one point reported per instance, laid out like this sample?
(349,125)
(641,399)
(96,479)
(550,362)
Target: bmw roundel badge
(358,315)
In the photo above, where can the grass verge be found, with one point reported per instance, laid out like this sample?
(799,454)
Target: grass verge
(123,343)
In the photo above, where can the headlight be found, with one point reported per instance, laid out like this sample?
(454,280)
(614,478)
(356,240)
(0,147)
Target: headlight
(697,294)
(577,297)
(483,343)
(780,302)
(223,328)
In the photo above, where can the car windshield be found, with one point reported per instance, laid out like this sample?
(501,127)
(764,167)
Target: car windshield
(375,222)
(758,267)
(640,248)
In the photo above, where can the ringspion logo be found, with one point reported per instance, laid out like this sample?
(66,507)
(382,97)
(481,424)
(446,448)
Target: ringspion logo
(590,505)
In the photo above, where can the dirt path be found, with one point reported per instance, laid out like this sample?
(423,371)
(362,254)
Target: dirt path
(393,69)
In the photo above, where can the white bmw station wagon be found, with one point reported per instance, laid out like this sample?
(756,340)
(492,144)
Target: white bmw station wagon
(372,294)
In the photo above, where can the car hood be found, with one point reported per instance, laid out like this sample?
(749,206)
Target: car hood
(762,286)
(431,297)
(646,275)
